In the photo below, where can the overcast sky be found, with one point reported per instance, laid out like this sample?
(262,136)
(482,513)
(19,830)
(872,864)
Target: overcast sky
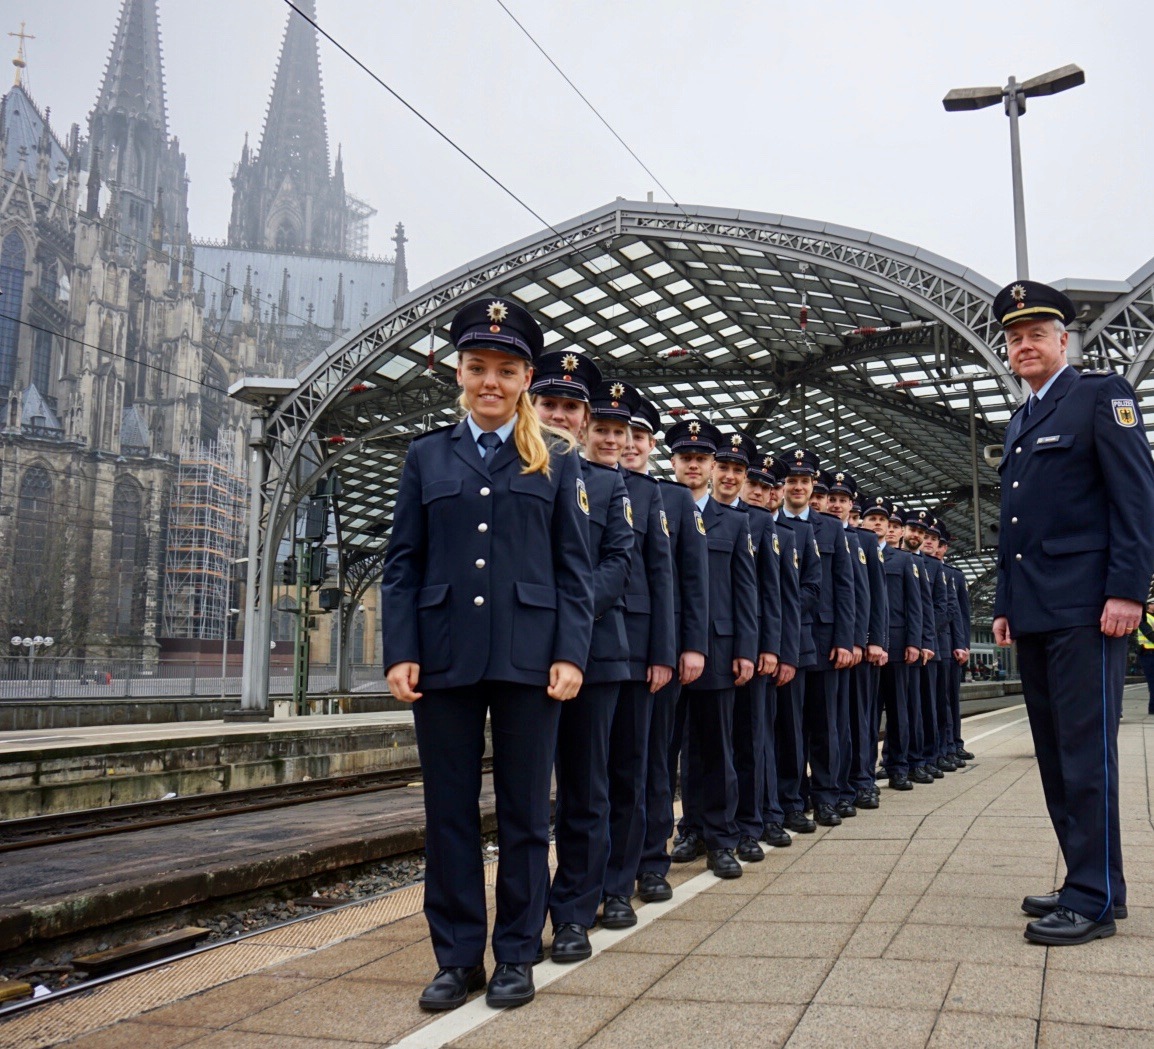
(830,111)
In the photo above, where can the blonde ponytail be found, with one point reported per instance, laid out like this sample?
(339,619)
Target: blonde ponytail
(529,435)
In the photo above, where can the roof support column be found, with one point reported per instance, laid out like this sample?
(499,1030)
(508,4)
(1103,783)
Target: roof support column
(254,681)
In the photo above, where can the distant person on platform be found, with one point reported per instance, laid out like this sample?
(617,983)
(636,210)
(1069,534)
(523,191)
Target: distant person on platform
(1074,566)
(1146,650)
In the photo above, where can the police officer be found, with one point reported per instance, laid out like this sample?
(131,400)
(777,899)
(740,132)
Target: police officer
(730,659)
(1074,563)
(815,730)
(691,633)
(904,638)
(939,667)
(762,489)
(649,627)
(581,817)
(957,752)
(951,644)
(923,716)
(731,467)
(488,610)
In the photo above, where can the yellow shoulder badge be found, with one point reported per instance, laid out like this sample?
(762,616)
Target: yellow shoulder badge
(664,522)
(628,510)
(776,544)
(916,576)
(582,497)
(846,541)
(817,549)
(1124,412)
(750,538)
(796,559)
(700,521)
(882,556)
(861,555)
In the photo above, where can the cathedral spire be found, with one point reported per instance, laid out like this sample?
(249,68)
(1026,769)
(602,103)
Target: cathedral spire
(295,141)
(400,266)
(134,77)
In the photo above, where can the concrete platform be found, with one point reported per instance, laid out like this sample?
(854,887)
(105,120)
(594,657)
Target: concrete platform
(900,928)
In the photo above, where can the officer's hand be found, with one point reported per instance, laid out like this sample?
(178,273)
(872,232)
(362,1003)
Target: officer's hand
(913,654)
(858,653)
(961,655)
(1002,632)
(690,666)
(402,679)
(840,658)
(785,674)
(1120,617)
(742,671)
(876,655)
(927,655)
(766,663)
(658,677)
(564,680)
(885,658)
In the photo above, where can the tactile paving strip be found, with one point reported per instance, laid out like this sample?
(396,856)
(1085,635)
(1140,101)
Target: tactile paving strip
(123,999)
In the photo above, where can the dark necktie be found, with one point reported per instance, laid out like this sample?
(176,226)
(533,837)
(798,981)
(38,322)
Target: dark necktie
(489,443)
(1031,404)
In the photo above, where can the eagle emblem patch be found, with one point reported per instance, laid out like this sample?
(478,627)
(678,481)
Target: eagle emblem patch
(916,576)
(628,511)
(796,560)
(1124,412)
(776,545)
(700,521)
(861,556)
(664,522)
(582,497)
(750,538)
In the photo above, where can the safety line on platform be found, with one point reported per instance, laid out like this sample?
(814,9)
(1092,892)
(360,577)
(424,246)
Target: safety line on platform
(1000,728)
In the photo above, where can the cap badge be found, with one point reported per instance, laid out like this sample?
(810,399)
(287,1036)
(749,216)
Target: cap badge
(497,312)
(921,515)
(1018,294)
(879,500)
(839,478)
(695,427)
(568,362)
(767,462)
(735,440)
(799,455)
(617,390)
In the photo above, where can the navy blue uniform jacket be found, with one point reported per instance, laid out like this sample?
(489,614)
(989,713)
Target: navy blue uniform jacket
(861,588)
(1077,521)
(879,616)
(791,629)
(961,590)
(649,596)
(940,638)
(809,582)
(767,561)
(732,595)
(690,567)
(837,611)
(904,597)
(611,546)
(488,574)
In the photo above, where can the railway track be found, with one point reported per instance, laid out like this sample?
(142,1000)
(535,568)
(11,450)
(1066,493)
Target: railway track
(38,831)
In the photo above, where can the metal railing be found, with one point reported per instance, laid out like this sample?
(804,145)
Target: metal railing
(63,677)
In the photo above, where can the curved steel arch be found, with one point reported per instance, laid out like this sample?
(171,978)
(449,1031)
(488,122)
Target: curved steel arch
(327,419)
(1123,336)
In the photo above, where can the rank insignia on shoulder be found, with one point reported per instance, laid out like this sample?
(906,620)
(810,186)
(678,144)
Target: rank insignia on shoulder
(916,576)
(582,497)
(700,521)
(1124,412)
(861,556)
(776,545)
(628,511)
(664,522)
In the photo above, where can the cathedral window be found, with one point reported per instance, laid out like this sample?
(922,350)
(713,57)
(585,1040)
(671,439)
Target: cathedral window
(42,362)
(34,518)
(129,553)
(12,262)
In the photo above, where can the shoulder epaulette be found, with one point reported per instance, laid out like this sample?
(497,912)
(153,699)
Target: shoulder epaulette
(1098,373)
(600,466)
(438,429)
(672,483)
(730,507)
(759,509)
(647,478)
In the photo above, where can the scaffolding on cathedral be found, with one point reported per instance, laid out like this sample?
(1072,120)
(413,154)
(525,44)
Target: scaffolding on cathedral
(205,533)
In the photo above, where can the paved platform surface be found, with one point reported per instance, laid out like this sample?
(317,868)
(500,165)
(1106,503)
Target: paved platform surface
(900,928)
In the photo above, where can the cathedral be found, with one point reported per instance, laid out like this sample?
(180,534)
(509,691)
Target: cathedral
(122,495)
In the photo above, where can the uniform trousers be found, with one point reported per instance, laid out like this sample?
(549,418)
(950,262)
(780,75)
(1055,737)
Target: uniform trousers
(628,760)
(927,738)
(770,801)
(791,743)
(709,782)
(819,723)
(845,703)
(658,782)
(1072,682)
(863,728)
(957,671)
(450,727)
(945,708)
(894,689)
(581,817)
(749,755)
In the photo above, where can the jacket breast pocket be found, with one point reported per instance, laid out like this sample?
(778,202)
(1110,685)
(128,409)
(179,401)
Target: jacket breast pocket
(435,490)
(1084,543)
(534,624)
(434,624)
(721,543)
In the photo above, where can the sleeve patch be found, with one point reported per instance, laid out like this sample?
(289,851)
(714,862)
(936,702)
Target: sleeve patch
(750,538)
(916,576)
(776,545)
(628,510)
(664,523)
(1125,413)
(582,497)
(700,521)
(861,556)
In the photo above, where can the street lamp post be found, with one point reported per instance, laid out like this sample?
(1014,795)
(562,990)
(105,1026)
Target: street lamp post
(1013,97)
(32,644)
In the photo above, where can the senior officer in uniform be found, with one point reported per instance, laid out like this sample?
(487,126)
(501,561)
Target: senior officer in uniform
(487,606)
(1074,565)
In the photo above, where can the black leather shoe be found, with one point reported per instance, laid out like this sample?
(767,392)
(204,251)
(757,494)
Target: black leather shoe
(958,760)
(963,753)
(688,848)
(775,835)
(867,800)
(750,851)
(799,823)
(511,985)
(570,943)
(653,888)
(617,913)
(934,771)
(1040,906)
(945,765)
(920,775)
(899,782)
(451,987)
(881,773)
(845,809)
(827,816)
(1063,927)
(723,863)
